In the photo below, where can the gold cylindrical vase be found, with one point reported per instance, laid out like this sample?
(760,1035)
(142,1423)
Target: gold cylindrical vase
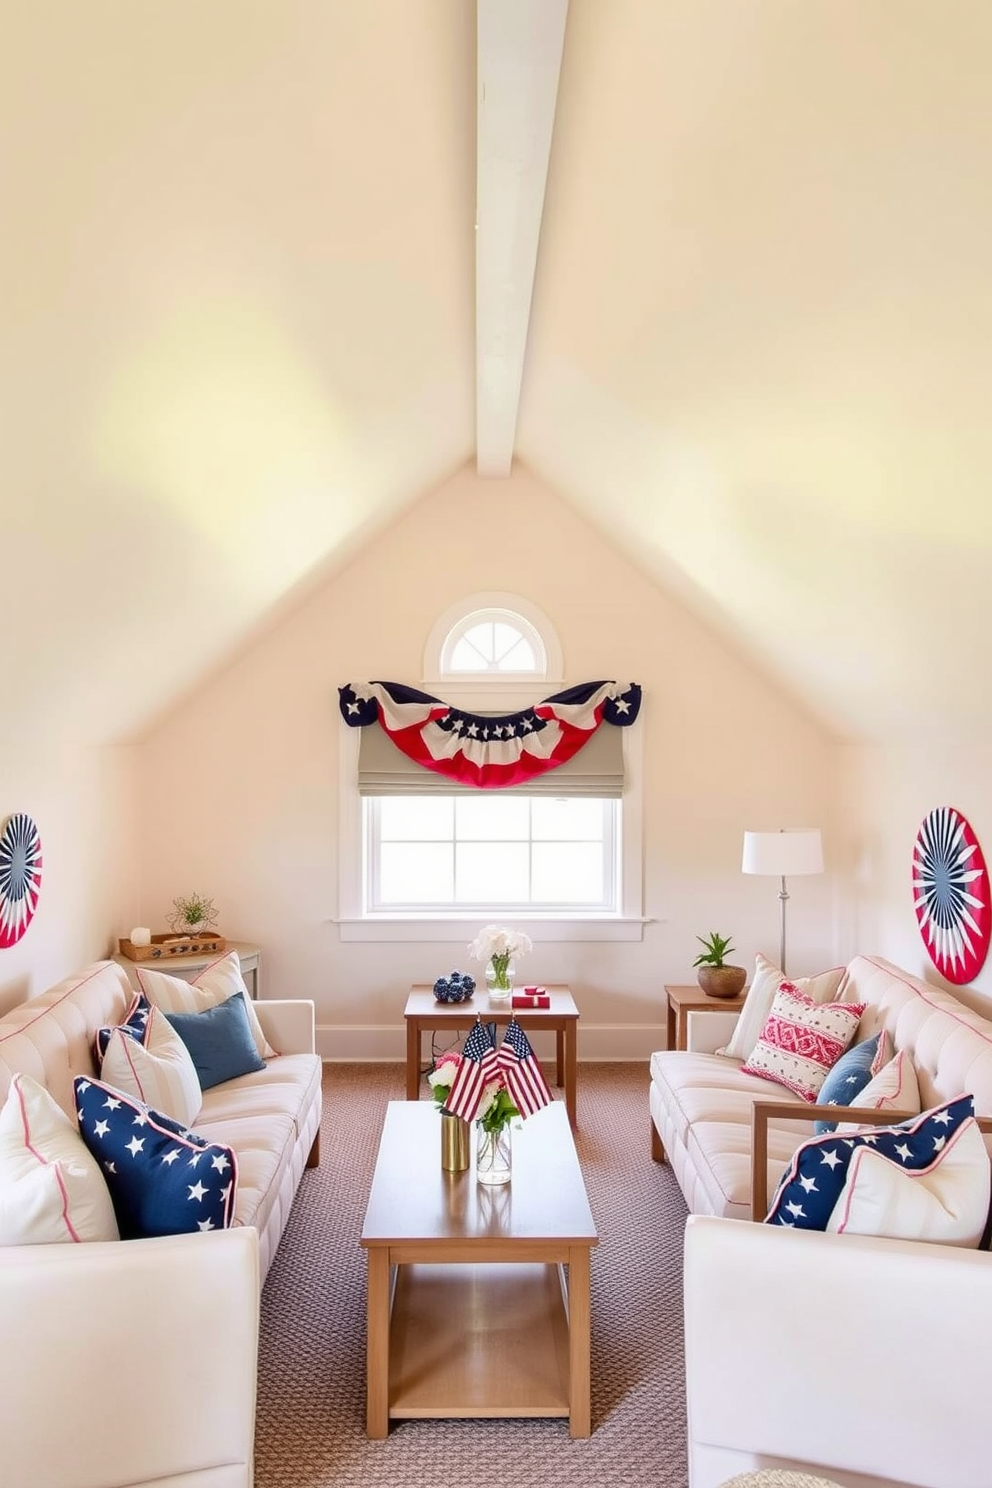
(454,1143)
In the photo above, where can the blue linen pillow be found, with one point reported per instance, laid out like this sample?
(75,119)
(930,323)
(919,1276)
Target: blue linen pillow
(848,1077)
(220,1041)
(163,1179)
(135,1025)
(815,1178)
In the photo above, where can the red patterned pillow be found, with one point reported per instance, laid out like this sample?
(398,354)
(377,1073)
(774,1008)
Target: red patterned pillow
(801,1040)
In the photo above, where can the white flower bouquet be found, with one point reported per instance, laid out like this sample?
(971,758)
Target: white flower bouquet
(498,945)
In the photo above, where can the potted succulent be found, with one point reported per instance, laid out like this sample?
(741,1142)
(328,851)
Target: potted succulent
(716,978)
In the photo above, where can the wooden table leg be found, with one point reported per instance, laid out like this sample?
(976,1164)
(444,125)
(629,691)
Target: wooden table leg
(560,1055)
(579,1418)
(670,1033)
(571,1062)
(377,1343)
(412,1058)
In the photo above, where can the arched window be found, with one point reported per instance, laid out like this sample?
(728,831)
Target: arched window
(493,641)
(487,642)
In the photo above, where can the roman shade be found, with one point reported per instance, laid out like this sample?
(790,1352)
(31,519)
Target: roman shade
(596,770)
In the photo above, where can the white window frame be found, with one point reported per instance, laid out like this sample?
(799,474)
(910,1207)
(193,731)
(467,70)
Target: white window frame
(495,692)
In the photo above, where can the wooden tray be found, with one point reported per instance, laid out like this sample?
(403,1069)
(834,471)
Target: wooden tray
(165,947)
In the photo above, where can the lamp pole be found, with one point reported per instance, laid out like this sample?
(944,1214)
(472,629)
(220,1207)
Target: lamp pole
(783,899)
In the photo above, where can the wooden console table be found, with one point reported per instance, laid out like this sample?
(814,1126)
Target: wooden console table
(424,1011)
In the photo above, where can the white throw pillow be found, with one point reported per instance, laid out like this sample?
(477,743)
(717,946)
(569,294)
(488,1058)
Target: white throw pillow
(947,1202)
(51,1187)
(158,1070)
(760,995)
(894,1088)
(219,981)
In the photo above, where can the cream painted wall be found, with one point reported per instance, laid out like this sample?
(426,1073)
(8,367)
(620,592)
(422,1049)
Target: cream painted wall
(82,801)
(239,787)
(884,795)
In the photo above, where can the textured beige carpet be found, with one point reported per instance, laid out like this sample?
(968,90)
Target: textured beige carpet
(311,1405)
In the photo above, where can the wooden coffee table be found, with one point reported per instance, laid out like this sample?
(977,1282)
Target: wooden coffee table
(424,1011)
(469,1310)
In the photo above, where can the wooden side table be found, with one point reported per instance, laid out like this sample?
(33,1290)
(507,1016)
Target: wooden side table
(187,967)
(423,1011)
(683,1000)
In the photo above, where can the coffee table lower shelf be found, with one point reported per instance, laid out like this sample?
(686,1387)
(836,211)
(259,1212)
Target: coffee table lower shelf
(478,1341)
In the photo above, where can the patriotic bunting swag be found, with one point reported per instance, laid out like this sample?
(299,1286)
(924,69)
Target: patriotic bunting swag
(481,750)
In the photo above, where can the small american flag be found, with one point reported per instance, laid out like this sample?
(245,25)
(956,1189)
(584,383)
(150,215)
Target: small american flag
(523,1075)
(477,1070)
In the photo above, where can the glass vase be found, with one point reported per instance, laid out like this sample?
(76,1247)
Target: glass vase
(492,1155)
(499,980)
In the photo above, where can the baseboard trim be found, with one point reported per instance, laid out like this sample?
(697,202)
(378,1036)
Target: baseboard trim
(373,1043)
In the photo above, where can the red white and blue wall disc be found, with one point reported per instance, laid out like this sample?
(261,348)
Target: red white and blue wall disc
(20,877)
(951,895)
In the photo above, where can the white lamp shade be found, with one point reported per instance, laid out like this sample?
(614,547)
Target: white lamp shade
(783,854)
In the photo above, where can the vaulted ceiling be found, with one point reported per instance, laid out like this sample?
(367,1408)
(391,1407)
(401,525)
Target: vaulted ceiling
(238,323)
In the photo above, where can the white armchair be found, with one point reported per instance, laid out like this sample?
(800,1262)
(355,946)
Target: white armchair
(862,1360)
(130,1362)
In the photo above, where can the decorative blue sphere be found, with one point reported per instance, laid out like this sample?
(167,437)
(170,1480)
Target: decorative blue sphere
(454,987)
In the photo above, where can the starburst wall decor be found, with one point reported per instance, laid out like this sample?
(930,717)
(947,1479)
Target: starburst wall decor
(951,895)
(20,876)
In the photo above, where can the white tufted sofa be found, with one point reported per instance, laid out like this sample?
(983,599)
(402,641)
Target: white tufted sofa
(857,1359)
(701,1102)
(134,1362)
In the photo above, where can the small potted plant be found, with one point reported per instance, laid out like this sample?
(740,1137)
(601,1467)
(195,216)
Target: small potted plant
(716,978)
(193,914)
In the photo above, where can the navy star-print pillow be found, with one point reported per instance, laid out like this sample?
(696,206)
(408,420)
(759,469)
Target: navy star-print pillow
(135,1025)
(814,1180)
(163,1179)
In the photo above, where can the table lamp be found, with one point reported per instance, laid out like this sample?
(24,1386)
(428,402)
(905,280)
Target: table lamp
(781,855)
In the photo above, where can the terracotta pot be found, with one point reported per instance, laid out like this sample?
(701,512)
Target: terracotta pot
(721,981)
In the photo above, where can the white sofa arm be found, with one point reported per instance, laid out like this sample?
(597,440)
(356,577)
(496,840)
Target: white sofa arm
(706,1032)
(289,1025)
(835,1352)
(129,1362)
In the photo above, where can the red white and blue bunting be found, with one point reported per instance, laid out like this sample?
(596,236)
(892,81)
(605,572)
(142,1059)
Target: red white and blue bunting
(481,750)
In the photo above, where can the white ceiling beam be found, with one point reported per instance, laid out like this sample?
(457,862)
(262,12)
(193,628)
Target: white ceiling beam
(519,59)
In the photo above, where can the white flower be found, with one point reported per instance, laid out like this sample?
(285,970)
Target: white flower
(499,940)
(488,1097)
(442,1076)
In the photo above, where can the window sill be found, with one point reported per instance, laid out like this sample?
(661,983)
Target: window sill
(455,928)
